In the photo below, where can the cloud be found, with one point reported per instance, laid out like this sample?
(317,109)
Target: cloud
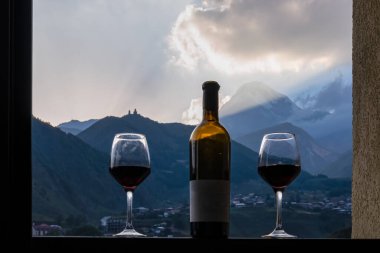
(193,115)
(334,95)
(330,97)
(267,36)
(93,58)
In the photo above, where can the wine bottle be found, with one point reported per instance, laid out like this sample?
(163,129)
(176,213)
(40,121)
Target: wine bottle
(210,171)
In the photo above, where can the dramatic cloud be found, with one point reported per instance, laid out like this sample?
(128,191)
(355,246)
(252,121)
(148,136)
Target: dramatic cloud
(93,58)
(265,36)
(193,115)
(330,97)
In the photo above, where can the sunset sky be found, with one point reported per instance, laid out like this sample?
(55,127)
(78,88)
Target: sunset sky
(94,58)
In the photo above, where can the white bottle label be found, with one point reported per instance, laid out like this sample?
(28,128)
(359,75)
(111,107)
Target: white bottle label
(209,200)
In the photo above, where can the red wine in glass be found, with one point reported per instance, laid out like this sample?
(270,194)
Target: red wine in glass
(279,164)
(130,176)
(279,175)
(130,165)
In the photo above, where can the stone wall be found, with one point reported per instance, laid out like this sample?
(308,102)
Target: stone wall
(366,119)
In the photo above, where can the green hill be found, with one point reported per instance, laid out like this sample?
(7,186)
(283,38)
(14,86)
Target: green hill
(69,177)
(341,168)
(168,145)
(70,173)
(313,156)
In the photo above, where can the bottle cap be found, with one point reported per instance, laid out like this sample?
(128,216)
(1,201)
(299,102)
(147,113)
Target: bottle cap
(210,95)
(210,85)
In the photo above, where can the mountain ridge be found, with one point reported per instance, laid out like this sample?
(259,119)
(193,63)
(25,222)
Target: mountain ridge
(70,173)
(256,106)
(341,167)
(75,126)
(65,171)
(313,156)
(256,100)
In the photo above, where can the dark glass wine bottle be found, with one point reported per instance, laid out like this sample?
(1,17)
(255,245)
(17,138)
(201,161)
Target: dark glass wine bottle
(210,171)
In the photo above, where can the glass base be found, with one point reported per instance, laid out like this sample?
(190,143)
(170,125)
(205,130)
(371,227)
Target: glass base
(279,234)
(129,233)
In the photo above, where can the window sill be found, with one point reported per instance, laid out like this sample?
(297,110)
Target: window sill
(45,242)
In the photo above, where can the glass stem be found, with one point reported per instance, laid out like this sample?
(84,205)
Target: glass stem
(129,210)
(279,210)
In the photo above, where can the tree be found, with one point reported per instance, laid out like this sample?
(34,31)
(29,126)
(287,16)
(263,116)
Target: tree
(85,230)
(58,219)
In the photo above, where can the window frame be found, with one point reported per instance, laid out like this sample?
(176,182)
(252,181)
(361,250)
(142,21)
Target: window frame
(17,95)
(16,81)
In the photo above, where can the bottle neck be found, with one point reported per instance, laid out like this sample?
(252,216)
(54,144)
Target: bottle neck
(210,105)
(209,115)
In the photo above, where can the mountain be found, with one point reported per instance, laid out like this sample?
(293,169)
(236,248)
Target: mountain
(313,156)
(75,126)
(69,176)
(256,106)
(168,144)
(339,139)
(334,131)
(341,168)
(70,173)
(327,115)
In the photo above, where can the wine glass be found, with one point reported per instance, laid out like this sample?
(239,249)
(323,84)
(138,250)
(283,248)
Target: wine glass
(130,165)
(279,164)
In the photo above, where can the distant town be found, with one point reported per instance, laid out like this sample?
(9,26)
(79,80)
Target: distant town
(158,222)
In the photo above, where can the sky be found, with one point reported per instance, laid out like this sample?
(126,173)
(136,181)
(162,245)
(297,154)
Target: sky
(95,58)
